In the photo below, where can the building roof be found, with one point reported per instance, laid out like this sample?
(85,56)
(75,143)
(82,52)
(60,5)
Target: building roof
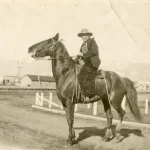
(42,78)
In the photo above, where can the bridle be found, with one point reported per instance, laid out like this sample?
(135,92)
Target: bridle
(53,51)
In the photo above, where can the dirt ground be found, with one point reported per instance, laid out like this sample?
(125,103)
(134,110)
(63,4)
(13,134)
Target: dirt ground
(22,127)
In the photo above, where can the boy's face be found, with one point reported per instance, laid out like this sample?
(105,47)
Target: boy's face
(85,37)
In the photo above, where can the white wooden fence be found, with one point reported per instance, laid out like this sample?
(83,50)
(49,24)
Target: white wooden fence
(146,106)
(39,100)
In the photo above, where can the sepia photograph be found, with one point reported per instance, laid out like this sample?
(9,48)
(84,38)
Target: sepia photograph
(74,74)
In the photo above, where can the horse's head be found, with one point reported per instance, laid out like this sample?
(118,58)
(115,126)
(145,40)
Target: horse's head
(44,48)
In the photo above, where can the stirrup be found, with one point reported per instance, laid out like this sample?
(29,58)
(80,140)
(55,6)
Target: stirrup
(90,99)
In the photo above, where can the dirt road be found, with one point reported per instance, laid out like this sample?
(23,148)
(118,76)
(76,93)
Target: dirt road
(22,127)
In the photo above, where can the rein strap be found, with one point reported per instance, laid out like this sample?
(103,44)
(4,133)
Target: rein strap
(54,58)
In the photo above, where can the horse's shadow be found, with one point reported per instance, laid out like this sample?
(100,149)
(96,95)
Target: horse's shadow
(94,131)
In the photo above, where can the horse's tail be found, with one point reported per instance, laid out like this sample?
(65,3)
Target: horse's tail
(131,97)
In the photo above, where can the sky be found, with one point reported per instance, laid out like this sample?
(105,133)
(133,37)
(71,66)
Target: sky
(121,28)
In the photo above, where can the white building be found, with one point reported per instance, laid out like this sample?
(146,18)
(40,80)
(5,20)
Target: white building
(38,81)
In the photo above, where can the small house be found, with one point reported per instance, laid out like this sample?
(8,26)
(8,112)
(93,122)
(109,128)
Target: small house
(38,81)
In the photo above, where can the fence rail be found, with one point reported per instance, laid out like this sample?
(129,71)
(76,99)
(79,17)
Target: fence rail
(39,100)
(46,88)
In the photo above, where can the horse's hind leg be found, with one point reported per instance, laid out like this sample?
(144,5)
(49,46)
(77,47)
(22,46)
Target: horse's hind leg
(108,135)
(116,103)
(70,119)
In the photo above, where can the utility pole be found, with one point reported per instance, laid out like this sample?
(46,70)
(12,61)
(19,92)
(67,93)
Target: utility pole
(18,74)
(19,69)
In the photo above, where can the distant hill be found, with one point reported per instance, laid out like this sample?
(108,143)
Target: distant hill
(139,72)
(134,71)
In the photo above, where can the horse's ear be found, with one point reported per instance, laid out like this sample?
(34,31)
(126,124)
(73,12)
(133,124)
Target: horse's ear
(56,37)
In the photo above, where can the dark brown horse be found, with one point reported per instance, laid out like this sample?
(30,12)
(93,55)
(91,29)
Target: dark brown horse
(64,74)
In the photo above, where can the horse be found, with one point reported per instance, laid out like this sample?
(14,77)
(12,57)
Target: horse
(65,76)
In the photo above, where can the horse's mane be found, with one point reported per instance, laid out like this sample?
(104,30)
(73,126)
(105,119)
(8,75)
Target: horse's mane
(69,65)
(63,46)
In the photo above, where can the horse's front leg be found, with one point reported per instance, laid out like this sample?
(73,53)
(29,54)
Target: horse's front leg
(70,119)
(108,135)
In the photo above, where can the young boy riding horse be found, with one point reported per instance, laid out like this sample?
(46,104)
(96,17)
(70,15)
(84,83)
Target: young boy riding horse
(90,54)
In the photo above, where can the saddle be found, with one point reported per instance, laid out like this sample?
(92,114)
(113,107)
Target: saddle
(82,98)
(100,74)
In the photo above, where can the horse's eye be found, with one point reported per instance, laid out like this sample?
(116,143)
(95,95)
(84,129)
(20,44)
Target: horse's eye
(39,51)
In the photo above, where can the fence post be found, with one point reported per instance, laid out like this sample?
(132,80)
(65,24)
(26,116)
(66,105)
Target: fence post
(95,108)
(61,106)
(76,107)
(88,106)
(123,104)
(37,99)
(146,106)
(50,99)
(41,99)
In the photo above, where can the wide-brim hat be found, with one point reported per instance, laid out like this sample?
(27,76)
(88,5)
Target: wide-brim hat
(85,32)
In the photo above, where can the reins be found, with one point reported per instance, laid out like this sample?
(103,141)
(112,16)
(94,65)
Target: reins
(55,58)
(106,88)
(54,43)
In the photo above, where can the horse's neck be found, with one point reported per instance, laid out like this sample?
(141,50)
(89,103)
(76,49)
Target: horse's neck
(58,65)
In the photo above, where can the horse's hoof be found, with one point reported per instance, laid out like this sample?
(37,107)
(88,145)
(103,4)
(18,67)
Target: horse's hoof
(107,139)
(71,141)
(68,144)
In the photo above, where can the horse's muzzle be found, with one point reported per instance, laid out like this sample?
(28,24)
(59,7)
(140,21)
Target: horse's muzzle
(31,50)
(33,55)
